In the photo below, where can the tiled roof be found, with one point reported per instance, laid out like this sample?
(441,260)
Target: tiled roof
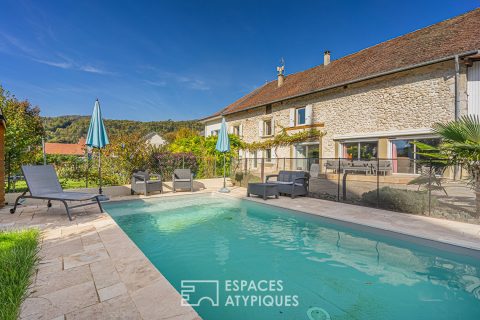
(439,41)
(66,148)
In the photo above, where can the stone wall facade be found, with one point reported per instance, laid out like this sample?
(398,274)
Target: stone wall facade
(414,99)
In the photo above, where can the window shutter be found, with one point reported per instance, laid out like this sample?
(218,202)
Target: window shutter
(260,128)
(240,130)
(292,117)
(309,114)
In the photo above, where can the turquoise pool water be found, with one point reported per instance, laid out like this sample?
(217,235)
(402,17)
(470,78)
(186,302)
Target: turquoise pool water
(314,268)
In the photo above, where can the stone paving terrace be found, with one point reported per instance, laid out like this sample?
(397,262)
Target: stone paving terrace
(90,269)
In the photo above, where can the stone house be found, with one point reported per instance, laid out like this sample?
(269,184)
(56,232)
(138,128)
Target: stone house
(154,139)
(371,104)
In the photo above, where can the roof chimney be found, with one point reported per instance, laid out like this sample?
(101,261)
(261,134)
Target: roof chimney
(281,76)
(326,58)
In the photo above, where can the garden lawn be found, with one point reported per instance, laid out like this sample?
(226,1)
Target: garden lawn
(21,186)
(18,257)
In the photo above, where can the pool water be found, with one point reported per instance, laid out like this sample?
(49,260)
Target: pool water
(312,268)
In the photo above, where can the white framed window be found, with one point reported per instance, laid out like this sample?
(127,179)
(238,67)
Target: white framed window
(300,116)
(265,128)
(236,130)
(268,155)
(360,150)
(306,154)
(214,132)
(405,156)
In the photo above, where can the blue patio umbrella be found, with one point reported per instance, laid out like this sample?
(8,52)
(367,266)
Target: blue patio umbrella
(97,138)
(223,145)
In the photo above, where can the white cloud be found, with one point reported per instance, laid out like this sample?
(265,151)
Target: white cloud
(164,78)
(59,64)
(14,46)
(92,69)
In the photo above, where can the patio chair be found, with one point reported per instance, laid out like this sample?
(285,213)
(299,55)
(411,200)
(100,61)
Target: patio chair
(142,183)
(384,166)
(332,165)
(182,179)
(337,166)
(42,183)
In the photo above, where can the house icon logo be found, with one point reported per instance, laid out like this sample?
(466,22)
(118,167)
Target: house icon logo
(196,292)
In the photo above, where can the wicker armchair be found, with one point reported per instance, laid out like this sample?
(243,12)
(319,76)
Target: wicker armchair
(182,179)
(142,183)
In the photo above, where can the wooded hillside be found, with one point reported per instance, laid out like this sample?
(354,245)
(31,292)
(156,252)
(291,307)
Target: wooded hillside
(69,129)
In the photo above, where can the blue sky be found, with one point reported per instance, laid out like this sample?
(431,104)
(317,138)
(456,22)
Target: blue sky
(158,60)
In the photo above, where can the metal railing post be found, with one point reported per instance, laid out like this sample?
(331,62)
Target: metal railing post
(338,180)
(262,169)
(378,182)
(430,188)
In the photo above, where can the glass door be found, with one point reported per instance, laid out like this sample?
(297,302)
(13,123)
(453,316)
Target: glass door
(305,155)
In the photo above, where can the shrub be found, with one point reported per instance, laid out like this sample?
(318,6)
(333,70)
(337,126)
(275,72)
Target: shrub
(164,162)
(399,200)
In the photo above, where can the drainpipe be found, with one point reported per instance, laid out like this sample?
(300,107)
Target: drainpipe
(457,89)
(456,168)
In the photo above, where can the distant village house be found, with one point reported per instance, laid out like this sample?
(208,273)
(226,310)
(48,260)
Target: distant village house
(74,149)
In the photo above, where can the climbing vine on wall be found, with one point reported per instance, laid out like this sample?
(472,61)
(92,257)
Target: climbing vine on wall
(284,139)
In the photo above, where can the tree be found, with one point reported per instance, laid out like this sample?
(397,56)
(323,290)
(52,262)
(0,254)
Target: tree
(461,142)
(125,154)
(204,150)
(23,135)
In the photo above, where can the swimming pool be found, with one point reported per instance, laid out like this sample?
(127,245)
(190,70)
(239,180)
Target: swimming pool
(271,263)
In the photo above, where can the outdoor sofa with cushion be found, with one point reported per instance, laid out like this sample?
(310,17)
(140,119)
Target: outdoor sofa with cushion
(293,183)
(142,182)
(337,166)
(42,183)
(360,166)
(182,179)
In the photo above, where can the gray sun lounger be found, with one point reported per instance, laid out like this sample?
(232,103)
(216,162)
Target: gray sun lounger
(42,183)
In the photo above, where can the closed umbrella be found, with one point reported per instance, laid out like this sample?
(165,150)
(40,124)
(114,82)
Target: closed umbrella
(97,138)
(223,145)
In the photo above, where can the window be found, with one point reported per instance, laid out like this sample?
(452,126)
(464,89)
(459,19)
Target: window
(236,130)
(255,159)
(405,156)
(267,128)
(268,109)
(364,150)
(268,155)
(306,155)
(214,132)
(300,116)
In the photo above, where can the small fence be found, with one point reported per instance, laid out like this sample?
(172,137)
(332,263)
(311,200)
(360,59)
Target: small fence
(82,172)
(418,186)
